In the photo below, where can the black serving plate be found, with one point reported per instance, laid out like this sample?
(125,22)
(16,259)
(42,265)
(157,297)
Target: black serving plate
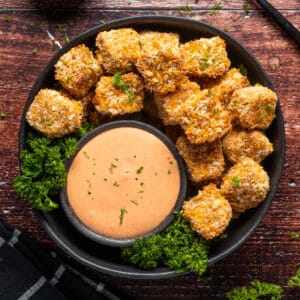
(107,259)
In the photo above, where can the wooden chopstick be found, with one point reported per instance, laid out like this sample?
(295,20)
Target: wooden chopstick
(289,28)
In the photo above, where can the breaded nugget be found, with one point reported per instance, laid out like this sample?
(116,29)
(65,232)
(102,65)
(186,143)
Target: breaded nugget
(231,81)
(77,70)
(245,185)
(205,57)
(119,94)
(118,49)
(204,161)
(241,143)
(253,107)
(169,105)
(204,118)
(209,212)
(152,42)
(53,114)
(161,72)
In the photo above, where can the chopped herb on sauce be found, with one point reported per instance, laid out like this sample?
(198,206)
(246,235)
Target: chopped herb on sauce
(139,170)
(169,171)
(2,114)
(112,167)
(134,202)
(123,211)
(86,154)
(116,184)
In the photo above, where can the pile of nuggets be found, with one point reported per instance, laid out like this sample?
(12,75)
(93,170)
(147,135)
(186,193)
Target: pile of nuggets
(213,114)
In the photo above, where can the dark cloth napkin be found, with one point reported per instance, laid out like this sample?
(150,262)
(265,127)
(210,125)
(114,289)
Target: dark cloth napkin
(27,271)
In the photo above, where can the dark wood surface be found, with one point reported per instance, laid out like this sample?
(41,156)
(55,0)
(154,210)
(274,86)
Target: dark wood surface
(270,254)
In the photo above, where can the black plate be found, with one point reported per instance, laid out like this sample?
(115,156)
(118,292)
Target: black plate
(107,259)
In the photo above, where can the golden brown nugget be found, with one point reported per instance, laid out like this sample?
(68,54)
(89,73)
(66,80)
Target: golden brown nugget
(204,161)
(119,94)
(205,57)
(241,143)
(204,118)
(253,107)
(245,185)
(78,70)
(169,105)
(118,49)
(209,212)
(153,42)
(230,82)
(53,114)
(161,72)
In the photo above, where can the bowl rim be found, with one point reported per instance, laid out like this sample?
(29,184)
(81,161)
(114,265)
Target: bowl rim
(171,21)
(121,242)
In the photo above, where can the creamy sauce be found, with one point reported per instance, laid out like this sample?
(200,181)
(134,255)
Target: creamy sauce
(123,182)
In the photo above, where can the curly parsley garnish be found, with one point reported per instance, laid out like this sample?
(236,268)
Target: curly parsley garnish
(43,171)
(295,280)
(124,86)
(177,247)
(258,290)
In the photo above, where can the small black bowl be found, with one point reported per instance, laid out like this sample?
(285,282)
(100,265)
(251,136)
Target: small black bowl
(121,242)
(107,259)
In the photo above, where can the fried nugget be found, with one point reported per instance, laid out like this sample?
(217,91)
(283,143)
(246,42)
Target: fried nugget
(205,57)
(119,94)
(204,118)
(153,42)
(118,49)
(78,70)
(230,82)
(241,143)
(161,72)
(253,107)
(53,114)
(209,212)
(169,105)
(204,161)
(245,185)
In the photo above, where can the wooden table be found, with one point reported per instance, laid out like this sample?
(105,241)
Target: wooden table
(270,254)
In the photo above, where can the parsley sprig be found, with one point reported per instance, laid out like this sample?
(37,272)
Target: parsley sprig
(259,289)
(43,171)
(177,247)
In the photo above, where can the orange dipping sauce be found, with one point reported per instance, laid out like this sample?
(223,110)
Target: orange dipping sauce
(123,182)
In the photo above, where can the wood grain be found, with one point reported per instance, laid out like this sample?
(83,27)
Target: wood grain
(270,254)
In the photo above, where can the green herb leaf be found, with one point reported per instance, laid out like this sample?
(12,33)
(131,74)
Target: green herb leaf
(259,290)
(139,170)
(124,86)
(177,247)
(2,114)
(236,181)
(246,9)
(243,70)
(217,6)
(123,211)
(34,51)
(294,235)
(295,280)
(43,171)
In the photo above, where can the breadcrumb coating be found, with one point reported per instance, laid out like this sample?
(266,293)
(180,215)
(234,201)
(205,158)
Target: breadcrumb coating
(253,107)
(118,49)
(245,185)
(78,70)
(112,100)
(53,114)
(241,143)
(204,118)
(209,212)
(204,161)
(153,42)
(230,82)
(169,105)
(205,57)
